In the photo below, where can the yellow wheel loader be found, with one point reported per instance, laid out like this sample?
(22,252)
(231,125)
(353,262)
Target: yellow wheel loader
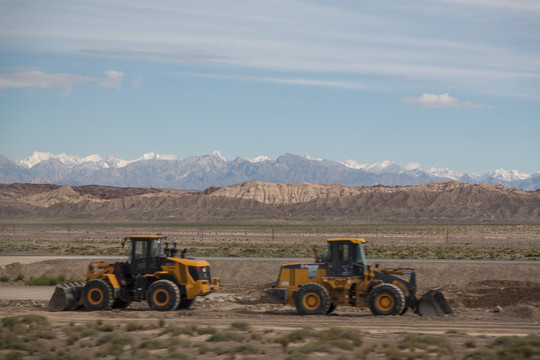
(152,272)
(342,277)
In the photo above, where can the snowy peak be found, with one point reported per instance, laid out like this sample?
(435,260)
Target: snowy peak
(219,155)
(38,157)
(443,173)
(381,167)
(153,156)
(200,172)
(93,161)
(259,159)
(308,157)
(506,175)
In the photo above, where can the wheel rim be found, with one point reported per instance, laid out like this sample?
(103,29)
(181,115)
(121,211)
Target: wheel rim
(161,297)
(385,302)
(311,301)
(95,296)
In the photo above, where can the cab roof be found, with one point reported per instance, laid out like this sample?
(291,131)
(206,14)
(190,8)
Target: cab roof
(354,241)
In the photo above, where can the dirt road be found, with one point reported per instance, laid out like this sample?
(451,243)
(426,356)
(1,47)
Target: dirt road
(487,297)
(491,299)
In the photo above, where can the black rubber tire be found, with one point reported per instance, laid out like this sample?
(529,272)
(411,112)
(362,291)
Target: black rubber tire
(97,295)
(312,299)
(163,295)
(185,303)
(386,299)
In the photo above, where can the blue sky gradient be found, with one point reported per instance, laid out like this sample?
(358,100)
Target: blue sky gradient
(448,84)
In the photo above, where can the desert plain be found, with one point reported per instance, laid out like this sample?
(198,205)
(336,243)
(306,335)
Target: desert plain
(488,273)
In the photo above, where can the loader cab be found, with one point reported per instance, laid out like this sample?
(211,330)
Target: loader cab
(346,258)
(146,254)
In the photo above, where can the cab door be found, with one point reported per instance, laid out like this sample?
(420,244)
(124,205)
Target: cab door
(339,262)
(139,257)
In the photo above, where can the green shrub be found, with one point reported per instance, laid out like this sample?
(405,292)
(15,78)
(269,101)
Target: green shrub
(134,326)
(13,355)
(294,336)
(297,356)
(152,344)
(115,338)
(45,280)
(246,349)
(318,346)
(175,355)
(240,325)
(429,343)
(179,330)
(36,325)
(336,334)
(206,330)
(516,348)
(226,336)
(110,349)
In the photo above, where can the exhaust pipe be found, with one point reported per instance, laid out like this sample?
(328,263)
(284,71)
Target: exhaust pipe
(66,296)
(433,303)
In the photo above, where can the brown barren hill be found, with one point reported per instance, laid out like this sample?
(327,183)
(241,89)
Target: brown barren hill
(445,202)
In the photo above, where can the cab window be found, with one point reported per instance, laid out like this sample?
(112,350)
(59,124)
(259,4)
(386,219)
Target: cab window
(343,252)
(139,250)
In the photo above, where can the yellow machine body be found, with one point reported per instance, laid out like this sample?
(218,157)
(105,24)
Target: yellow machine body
(343,278)
(151,273)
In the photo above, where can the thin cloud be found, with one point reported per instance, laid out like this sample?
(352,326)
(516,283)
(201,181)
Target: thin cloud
(412,166)
(113,80)
(136,83)
(441,101)
(187,55)
(290,81)
(34,78)
(522,5)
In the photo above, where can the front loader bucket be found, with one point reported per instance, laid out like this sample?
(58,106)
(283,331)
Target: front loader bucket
(433,303)
(66,296)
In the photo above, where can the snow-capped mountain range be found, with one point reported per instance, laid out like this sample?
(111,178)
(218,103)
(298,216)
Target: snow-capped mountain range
(200,172)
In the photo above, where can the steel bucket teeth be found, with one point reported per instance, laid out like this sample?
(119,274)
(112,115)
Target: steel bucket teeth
(66,296)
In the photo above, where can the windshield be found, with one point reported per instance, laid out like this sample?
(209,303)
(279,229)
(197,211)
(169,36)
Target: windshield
(157,248)
(360,256)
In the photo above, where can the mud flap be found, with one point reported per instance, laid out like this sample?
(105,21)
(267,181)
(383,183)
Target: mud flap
(433,303)
(66,296)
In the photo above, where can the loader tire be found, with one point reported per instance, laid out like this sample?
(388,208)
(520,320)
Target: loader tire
(163,295)
(312,299)
(386,299)
(97,295)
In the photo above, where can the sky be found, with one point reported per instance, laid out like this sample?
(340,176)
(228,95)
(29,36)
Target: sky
(428,83)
